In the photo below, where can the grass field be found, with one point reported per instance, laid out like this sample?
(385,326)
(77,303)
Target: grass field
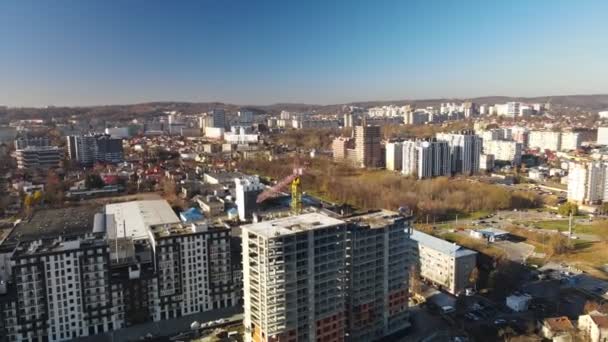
(599,227)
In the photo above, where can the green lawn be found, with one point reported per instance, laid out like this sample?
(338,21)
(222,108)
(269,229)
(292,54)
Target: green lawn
(599,227)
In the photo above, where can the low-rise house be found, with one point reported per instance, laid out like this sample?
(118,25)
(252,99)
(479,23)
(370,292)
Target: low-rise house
(558,329)
(594,326)
(211,205)
(444,263)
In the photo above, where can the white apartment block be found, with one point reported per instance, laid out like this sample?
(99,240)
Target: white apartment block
(465,149)
(394,156)
(588,182)
(62,290)
(67,280)
(571,141)
(486,162)
(545,140)
(602,136)
(506,151)
(425,159)
(513,109)
(193,265)
(442,262)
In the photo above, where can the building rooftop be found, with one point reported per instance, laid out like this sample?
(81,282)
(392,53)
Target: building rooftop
(55,245)
(492,231)
(599,319)
(292,225)
(51,223)
(559,324)
(379,219)
(177,229)
(441,245)
(132,219)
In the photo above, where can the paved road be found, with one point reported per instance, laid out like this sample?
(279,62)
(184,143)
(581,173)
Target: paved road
(516,251)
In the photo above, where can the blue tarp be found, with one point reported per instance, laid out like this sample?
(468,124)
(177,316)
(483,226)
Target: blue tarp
(191,215)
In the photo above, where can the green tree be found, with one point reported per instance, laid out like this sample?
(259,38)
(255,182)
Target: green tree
(568,208)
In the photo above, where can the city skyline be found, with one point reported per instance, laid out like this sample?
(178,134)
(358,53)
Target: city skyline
(94,53)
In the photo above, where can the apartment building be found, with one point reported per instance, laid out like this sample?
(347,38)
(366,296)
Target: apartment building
(88,149)
(394,156)
(504,151)
(465,148)
(425,159)
(38,157)
(442,262)
(75,272)
(588,182)
(312,277)
(602,135)
(571,141)
(340,146)
(193,267)
(367,146)
(25,142)
(61,290)
(545,140)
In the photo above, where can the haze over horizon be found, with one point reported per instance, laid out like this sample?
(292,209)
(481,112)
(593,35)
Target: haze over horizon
(76,53)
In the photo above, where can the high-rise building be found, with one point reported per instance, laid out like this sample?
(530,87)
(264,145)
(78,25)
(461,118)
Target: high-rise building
(394,156)
(545,140)
(340,146)
(588,182)
(465,148)
(520,135)
(367,146)
(377,275)
(39,157)
(92,148)
(571,141)
(602,136)
(425,159)
(513,109)
(315,278)
(71,272)
(348,119)
(486,162)
(247,190)
(219,118)
(469,109)
(505,151)
(245,117)
(25,142)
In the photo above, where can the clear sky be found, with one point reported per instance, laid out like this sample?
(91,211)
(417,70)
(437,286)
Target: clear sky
(85,52)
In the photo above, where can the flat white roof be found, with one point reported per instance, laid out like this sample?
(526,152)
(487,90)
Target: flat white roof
(292,225)
(134,218)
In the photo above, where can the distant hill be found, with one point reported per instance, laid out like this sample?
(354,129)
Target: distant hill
(126,112)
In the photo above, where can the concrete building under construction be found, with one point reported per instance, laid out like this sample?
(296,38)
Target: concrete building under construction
(312,277)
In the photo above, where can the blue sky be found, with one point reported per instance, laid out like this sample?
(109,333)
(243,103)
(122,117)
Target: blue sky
(261,52)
